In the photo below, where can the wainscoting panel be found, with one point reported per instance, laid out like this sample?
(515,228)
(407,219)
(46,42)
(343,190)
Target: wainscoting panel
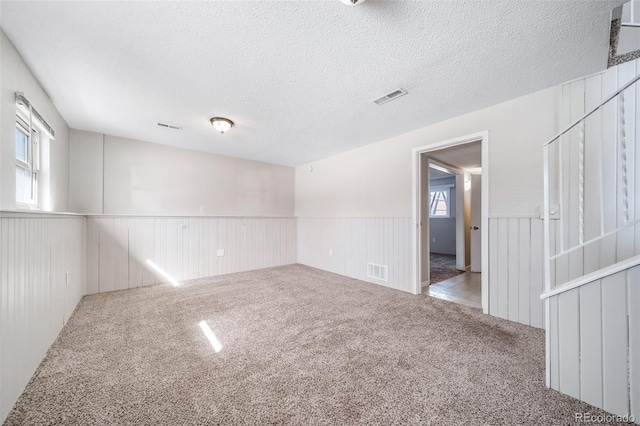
(345,246)
(126,252)
(595,342)
(41,282)
(608,169)
(516,270)
(516,275)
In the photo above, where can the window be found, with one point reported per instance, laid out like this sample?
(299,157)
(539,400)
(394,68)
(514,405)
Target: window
(439,202)
(27,163)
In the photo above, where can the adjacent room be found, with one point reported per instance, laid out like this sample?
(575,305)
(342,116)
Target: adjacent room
(451,243)
(328,212)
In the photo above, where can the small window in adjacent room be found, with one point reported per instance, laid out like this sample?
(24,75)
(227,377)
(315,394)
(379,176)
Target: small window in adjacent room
(27,163)
(439,203)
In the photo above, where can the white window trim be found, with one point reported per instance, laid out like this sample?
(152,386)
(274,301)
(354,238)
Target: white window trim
(33,159)
(442,188)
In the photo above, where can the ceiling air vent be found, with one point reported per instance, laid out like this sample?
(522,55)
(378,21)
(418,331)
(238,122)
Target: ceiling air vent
(169,126)
(390,96)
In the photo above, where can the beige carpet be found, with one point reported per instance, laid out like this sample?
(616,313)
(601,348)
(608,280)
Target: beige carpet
(300,346)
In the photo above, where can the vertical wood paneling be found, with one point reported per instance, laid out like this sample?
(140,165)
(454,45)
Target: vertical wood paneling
(591,343)
(41,282)
(503,268)
(355,242)
(593,159)
(609,161)
(572,169)
(524,271)
(184,248)
(513,268)
(569,346)
(493,267)
(606,327)
(554,343)
(536,275)
(633,307)
(616,332)
(625,240)
(516,269)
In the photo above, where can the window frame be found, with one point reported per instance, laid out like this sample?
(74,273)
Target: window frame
(32,165)
(446,190)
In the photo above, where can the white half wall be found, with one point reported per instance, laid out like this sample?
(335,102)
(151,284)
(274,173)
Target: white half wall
(595,343)
(119,247)
(345,246)
(15,76)
(516,270)
(41,282)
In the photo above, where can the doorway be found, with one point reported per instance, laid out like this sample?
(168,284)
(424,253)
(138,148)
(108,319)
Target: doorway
(450,214)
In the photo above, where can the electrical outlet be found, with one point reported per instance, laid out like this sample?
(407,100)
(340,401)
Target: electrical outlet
(220,252)
(330,252)
(434,240)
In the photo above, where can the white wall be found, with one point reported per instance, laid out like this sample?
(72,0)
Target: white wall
(86,172)
(443,229)
(374,181)
(143,178)
(41,282)
(15,76)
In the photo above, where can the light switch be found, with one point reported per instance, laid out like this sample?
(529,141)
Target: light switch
(220,252)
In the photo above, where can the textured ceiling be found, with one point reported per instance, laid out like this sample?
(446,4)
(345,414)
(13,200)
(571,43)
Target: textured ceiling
(467,156)
(297,77)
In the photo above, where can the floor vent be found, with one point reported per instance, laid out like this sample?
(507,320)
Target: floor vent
(378,272)
(390,96)
(169,126)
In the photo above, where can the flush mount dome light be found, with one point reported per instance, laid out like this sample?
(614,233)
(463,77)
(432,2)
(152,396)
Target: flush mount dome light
(221,124)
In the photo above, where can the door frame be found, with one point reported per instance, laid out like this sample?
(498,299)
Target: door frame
(458,173)
(483,138)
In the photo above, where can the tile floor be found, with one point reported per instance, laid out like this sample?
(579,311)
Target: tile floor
(463,288)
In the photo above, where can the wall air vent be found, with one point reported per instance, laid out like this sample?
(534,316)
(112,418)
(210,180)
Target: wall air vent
(378,272)
(390,96)
(169,126)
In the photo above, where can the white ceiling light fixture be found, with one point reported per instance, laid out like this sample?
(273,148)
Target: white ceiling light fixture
(352,2)
(221,124)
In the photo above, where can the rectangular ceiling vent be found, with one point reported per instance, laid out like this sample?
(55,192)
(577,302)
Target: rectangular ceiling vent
(378,272)
(390,96)
(169,126)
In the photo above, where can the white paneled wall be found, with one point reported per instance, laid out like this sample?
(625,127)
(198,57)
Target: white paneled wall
(609,170)
(516,270)
(118,248)
(345,246)
(41,276)
(595,342)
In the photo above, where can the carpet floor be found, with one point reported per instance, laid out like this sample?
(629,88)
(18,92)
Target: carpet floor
(442,267)
(299,346)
